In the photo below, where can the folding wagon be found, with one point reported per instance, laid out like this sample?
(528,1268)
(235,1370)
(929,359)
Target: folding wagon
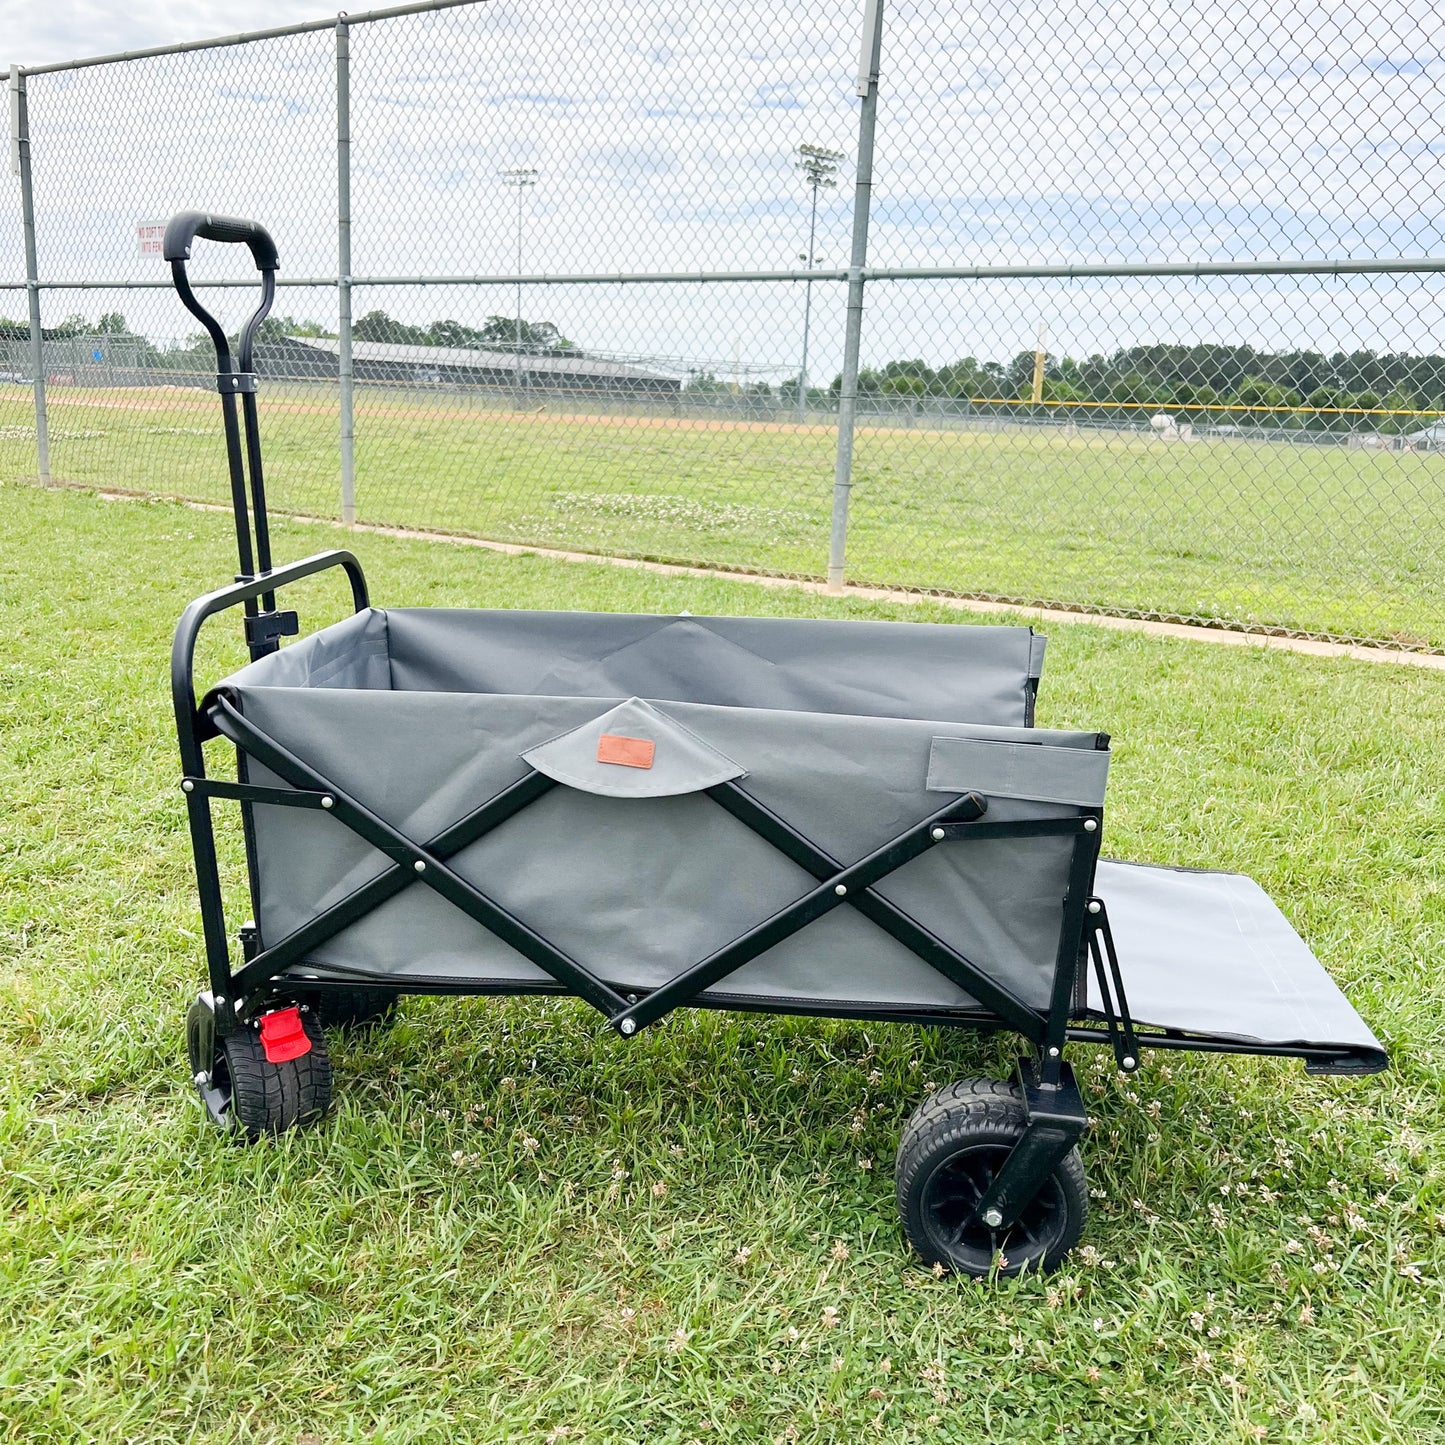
(848,819)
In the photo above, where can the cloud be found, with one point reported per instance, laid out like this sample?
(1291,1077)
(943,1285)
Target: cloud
(663,134)
(524,97)
(776,97)
(65,29)
(626,162)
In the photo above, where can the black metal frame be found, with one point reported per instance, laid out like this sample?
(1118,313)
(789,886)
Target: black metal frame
(278,974)
(961,819)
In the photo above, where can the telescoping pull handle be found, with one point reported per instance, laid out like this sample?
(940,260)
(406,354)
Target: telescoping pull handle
(182,231)
(235,378)
(188,225)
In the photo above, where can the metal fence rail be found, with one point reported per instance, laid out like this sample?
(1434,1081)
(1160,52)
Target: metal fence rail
(1073,313)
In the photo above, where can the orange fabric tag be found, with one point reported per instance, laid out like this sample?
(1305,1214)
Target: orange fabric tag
(625,752)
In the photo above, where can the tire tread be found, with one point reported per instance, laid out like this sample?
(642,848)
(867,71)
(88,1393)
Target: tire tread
(269,1098)
(353,1008)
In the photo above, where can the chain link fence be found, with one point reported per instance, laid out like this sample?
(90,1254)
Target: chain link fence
(1083,305)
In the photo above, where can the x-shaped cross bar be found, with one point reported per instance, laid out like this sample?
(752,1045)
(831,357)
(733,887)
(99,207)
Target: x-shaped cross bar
(838,885)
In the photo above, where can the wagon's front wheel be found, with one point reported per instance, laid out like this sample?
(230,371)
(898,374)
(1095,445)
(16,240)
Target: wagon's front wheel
(243,1091)
(951,1151)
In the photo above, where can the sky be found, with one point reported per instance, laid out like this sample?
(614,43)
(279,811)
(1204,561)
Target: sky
(1064,132)
(60,30)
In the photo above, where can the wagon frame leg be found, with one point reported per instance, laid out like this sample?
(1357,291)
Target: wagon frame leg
(1056,1122)
(1054,1109)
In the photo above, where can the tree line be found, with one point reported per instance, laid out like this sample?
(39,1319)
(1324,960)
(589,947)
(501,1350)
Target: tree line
(111,323)
(1328,392)
(1288,389)
(496,333)
(1214,384)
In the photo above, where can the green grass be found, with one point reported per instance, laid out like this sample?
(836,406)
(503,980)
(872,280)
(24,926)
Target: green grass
(693,1249)
(1322,539)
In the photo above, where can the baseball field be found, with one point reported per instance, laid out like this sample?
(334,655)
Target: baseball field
(1323,539)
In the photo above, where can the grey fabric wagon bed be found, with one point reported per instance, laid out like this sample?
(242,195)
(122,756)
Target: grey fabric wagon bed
(850,731)
(850,819)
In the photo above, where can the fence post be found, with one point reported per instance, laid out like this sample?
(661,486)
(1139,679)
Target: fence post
(20,121)
(343,270)
(862,200)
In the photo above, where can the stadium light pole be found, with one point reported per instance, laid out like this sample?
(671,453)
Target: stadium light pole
(521,179)
(818,166)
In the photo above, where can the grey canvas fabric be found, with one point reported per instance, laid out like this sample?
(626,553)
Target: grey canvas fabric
(1210,953)
(353,654)
(954,673)
(1018,770)
(639,888)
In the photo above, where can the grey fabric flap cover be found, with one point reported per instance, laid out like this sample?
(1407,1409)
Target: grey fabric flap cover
(1037,643)
(1018,770)
(681,762)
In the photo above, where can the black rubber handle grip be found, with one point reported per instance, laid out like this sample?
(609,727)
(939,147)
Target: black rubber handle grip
(184,228)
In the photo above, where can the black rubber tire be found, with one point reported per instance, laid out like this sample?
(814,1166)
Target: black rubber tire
(353,1008)
(267,1098)
(951,1148)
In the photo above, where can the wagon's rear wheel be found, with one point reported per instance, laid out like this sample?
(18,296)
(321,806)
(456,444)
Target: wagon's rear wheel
(245,1092)
(353,1008)
(951,1150)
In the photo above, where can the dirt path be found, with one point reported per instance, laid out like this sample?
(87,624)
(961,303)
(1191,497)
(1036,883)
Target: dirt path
(1222,637)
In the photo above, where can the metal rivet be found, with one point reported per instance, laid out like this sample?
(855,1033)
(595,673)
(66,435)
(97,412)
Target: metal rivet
(1095,906)
(1091,825)
(841,889)
(938,835)
(201,1079)
(993,1218)
(419,865)
(1130,1062)
(218,1001)
(1053,1053)
(187,786)
(629,1027)
(328,801)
